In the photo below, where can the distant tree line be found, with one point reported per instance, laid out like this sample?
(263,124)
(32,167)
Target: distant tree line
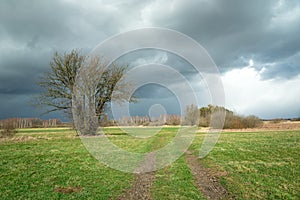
(30,122)
(8,127)
(193,116)
(143,121)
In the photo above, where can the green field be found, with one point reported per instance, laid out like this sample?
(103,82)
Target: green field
(41,163)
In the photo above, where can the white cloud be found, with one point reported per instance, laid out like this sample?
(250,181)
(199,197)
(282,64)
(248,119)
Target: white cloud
(251,62)
(246,93)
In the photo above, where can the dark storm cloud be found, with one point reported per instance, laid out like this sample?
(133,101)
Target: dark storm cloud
(21,70)
(30,32)
(171,106)
(232,31)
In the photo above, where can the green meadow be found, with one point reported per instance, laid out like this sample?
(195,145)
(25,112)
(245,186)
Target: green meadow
(54,164)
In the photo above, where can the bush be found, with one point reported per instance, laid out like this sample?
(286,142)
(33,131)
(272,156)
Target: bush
(252,122)
(296,119)
(173,120)
(239,122)
(7,129)
(204,121)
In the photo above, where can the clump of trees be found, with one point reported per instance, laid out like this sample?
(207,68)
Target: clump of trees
(232,120)
(205,114)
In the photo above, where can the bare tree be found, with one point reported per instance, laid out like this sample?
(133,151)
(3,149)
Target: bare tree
(111,85)
(58,84)
(191,115)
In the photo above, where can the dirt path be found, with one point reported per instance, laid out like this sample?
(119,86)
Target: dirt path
(141,188)
(206,183)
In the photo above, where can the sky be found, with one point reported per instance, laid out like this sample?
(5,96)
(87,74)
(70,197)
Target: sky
(255,45)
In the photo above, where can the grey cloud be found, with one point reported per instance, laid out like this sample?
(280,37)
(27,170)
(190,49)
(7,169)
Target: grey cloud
(231,29)
(287,68)
(13,106)
(156,56)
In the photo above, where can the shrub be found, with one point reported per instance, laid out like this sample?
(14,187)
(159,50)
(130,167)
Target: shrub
(239,122)
(252,122)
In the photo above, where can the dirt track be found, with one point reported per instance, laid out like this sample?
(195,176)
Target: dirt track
(141,188)
(204,180)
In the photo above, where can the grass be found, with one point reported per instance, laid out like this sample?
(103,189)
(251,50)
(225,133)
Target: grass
(32,169)
(260,165)
(141,144)
(175,182)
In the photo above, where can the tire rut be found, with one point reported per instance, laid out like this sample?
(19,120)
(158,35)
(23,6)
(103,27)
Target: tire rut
(205,182)
(141,188)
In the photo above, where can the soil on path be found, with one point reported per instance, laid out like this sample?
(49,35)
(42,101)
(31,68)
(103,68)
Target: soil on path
(141,188)
(204,180)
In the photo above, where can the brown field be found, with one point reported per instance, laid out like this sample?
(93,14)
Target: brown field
(271,126)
